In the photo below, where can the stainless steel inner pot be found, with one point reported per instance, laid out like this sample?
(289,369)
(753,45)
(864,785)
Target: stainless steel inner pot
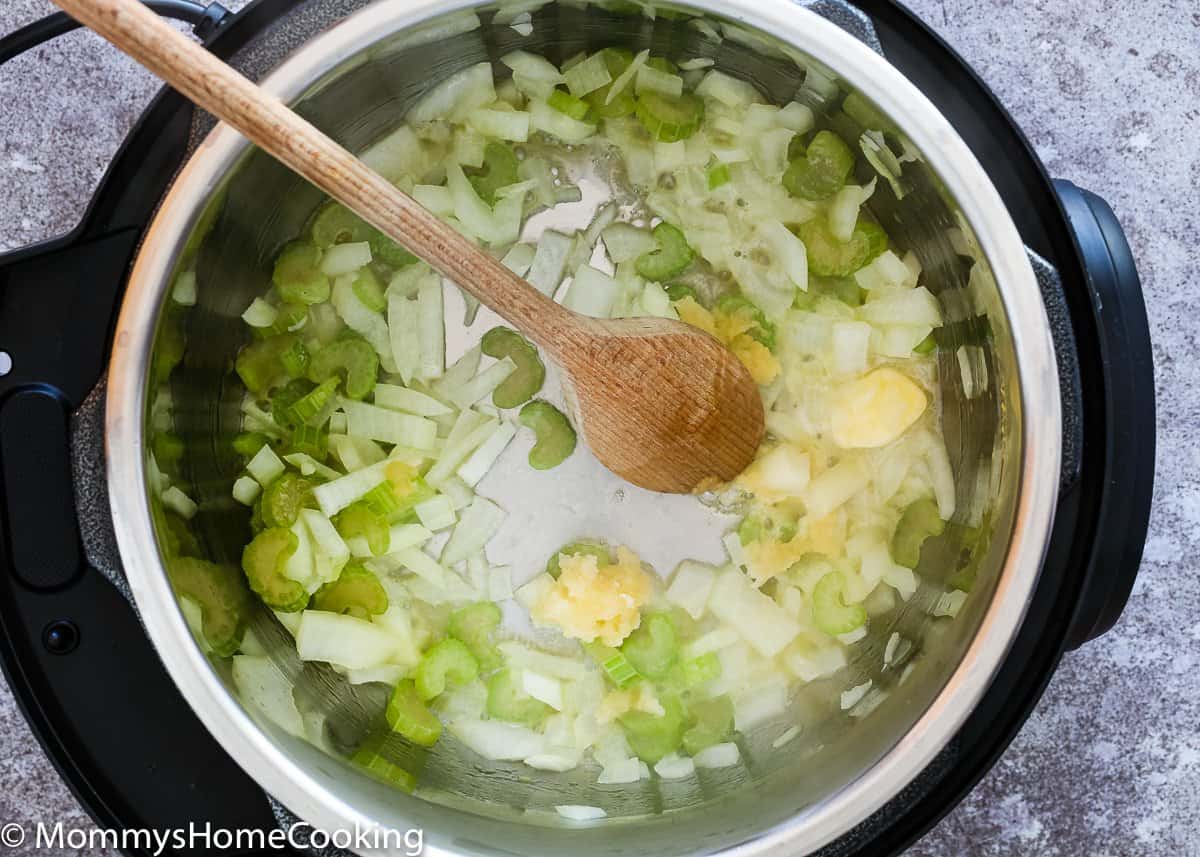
(232,208)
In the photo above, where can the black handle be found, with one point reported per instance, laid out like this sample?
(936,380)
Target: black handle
(1127,370)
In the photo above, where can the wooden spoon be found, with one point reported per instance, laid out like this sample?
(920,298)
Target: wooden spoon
(660,403)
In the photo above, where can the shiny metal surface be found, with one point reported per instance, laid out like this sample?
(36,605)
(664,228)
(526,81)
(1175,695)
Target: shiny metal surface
(355,82)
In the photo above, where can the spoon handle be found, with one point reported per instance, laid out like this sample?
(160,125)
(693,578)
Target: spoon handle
(272,126)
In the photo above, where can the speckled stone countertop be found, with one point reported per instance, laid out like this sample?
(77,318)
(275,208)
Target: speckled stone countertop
(1109,93)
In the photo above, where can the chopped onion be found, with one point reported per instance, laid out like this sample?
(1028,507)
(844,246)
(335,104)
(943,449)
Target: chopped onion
(761,622)
(388,426)
(580,813)
(549,262)
(436,198)
(344,258)
(436,513)
(478,523)
(650,79)
(544,118)
(675,767)
(265,466)
(626,77)
(718,756)
(728,90)
(591,293)
(334,496)
(843,212)
(481,460)
(178,502)
(456,96)
(588,75)
(520,655)
(260,314)
(543,688)
(246,490)
(691,587)
(625,242)
(851,697)
(343,640)
(262,685)
(498,741)
(501,124)
(184,290)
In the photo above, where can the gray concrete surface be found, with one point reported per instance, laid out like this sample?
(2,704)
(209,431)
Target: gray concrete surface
(1109,92)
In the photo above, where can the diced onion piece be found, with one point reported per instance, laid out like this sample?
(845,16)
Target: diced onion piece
(543,688)
(307,465)
(718,756)
(534,75)
(625,242)
(691,587)
(626,77)
(843,211)
(851,342)
(914,306)
(246,490)
(388,426)
(762,623)
(575,812)
(478,429)
(456,96)
(344,641)
(482,384)
(326,538)
(344,258)
(713,641)
(760,704)
(265,466)
(501,124)
(382,674)
(334,496)
(620,772)
(422,565)
(796,117)
(550,261)
(785,737)
(942,477)
(519,258)
(436,198)
(184,290)
(728,90)
(833,487)
(395,155)
(498,741)
(949,603)
(404,334)
(544,118)
(481,460)
(436,513)
(177,501)
(588,75)
(697,63)
(363,320)
(650,79)
(520,655)
(770,151)
(591,293)
(478,523)
(889,270)
(675,767)
(260,314)
(262,685)
(788,251)
(534,590)
(851,697)
(499,583)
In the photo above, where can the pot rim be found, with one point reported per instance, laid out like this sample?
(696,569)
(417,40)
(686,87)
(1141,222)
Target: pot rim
(980,203)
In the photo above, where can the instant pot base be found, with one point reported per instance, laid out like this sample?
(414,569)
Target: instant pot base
(105,709)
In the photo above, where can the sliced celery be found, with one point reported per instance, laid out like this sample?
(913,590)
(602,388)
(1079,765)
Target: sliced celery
(507,700)
(336,224)
(828,257)
(309,440)
(670,259)
(351,358)
(565,102)
(259,364)
(221,593)
(822,171)
(298,276)
(919,521)
(654,647)
(248,443)
(291,317)
(445,662)
(526,379)
(473,626)
(407,715)
(617,60)
(928,345)
(669,119)
(304,410)
(356,592)
(763,331)
(844,289)
(830,611)
(263,561)
(614,663)
(372,758)
(284,397)
(295,359)
(358,519)
(499,170)
(586,547)
(555,436)
(711,722)
(369,290)
(651,737)
(284,498)
(718,175)
(382,500)
(701,670)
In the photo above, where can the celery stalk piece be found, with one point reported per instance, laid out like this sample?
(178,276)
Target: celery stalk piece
(284,498)
(822,171)
(830,611)
(919,521)
(670,259)
(263,560)
(369,290)
(669,118)
(508,701)
(701,670)
(360,520)
(653,648)
(306,409)
(530,373)
(290,318)
(711,723)
(248,443)
(499,170)
(590,74)
(372,758)
(473,626)
(828,257)
(762,331)
(356,592)
(447,661)
(555,436)
(259,364)
(408,715)
(351,359)
(388,426)
(614,663)
(298,276)
(221,593)
(567,104)
(586,547)
(651,737)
